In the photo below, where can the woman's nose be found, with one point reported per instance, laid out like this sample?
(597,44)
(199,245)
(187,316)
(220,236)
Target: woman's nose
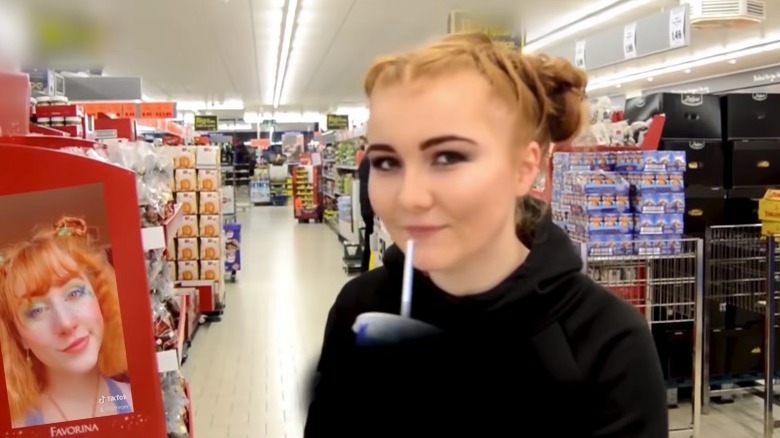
(64,319)
(415,193)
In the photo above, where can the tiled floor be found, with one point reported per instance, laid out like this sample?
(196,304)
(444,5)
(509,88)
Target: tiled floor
(246,372)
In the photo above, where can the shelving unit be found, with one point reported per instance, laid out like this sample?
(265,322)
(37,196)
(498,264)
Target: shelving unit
(199,260)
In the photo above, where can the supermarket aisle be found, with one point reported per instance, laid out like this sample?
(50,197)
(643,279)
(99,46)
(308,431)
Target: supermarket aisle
(246,371)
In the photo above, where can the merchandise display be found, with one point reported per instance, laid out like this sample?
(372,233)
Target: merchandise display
(200,247)
(307,187)
(627,202)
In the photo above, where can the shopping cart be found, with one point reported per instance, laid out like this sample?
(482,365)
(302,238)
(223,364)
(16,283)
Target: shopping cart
(238,177)
(741,267)
(668,290)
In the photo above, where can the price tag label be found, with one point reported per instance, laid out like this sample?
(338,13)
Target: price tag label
(629,41)
(677,27)
(579,54)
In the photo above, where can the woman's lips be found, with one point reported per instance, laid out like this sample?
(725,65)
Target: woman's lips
(422,232)
(77,346)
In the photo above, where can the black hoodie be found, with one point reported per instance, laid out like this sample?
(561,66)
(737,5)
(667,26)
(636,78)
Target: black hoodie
(546,353)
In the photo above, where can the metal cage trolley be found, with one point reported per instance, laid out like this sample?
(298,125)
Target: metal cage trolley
(740,353)
(667,288)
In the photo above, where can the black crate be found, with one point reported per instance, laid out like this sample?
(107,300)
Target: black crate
(751,116)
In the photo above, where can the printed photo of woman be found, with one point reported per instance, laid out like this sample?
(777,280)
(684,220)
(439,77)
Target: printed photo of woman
(61,333)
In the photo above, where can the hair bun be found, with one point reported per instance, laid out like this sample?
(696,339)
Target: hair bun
(564,85)
(71,226)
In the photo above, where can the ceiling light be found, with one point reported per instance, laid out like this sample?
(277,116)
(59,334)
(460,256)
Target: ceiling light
(650,79)
(687,70)
(284,53)
(732,61)
(599,17)
(618,86)
(716,55)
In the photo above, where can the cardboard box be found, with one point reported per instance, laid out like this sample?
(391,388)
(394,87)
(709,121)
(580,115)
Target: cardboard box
(188,202)
(207,156)
(184,158)
(210,202)
(210,270)
(189,226)
(188,270)
(186,180)
(187,249)
(209,225)
(208,179)
(210,248)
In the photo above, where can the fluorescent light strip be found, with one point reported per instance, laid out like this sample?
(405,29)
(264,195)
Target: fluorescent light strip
(579,26)
(284,54)
(712,57)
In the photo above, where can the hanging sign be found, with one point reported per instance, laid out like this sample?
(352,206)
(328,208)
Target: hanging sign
(629,40)
(500,29)
(677,27)
(579,54)
(206,123)
(337,122)
(158,110)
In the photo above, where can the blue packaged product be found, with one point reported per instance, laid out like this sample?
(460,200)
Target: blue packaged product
(597,202)
(595,182)
(584,161)
(651,201)
(651,161)
(658,224)
(658,245)
(584,226)
(661,181)
(611,245)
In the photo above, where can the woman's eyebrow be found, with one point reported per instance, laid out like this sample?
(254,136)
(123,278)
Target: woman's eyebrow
(426,144)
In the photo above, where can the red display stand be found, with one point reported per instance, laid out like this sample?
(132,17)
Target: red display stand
(119,230)
(14,103)
(650,143)
(306,178)
(633,293)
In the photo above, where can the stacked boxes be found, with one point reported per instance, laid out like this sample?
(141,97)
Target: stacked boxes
(199,249)
(658,198)
(620,203)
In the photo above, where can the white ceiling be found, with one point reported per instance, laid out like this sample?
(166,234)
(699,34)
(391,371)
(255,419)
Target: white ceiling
(225,50)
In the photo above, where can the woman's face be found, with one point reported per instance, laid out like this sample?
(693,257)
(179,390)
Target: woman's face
(444,167)
(63,329)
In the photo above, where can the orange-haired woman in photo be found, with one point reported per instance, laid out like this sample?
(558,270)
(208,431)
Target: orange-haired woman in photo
(61,330)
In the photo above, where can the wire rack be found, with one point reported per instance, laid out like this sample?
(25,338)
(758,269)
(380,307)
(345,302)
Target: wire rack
(662,287)
(741,292)
(663,279)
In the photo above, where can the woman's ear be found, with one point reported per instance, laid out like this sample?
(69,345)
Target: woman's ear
(528,167)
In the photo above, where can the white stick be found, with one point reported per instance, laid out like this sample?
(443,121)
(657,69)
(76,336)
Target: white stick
(406,289)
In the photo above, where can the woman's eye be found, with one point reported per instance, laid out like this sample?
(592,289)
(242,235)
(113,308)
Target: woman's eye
(384,163)
(35,312)
(448,158)
(76,293)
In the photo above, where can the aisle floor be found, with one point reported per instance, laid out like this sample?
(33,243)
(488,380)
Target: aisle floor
(247,372)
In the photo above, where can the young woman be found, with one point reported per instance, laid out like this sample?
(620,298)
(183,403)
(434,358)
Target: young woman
(528,345)
(60,329)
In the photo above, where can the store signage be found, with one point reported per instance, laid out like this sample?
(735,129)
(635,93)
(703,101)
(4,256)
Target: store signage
(157,110)
(500,29)
(629,41)
(677,29)
(579,54)
(646,36)
(337,122)
(206,123)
